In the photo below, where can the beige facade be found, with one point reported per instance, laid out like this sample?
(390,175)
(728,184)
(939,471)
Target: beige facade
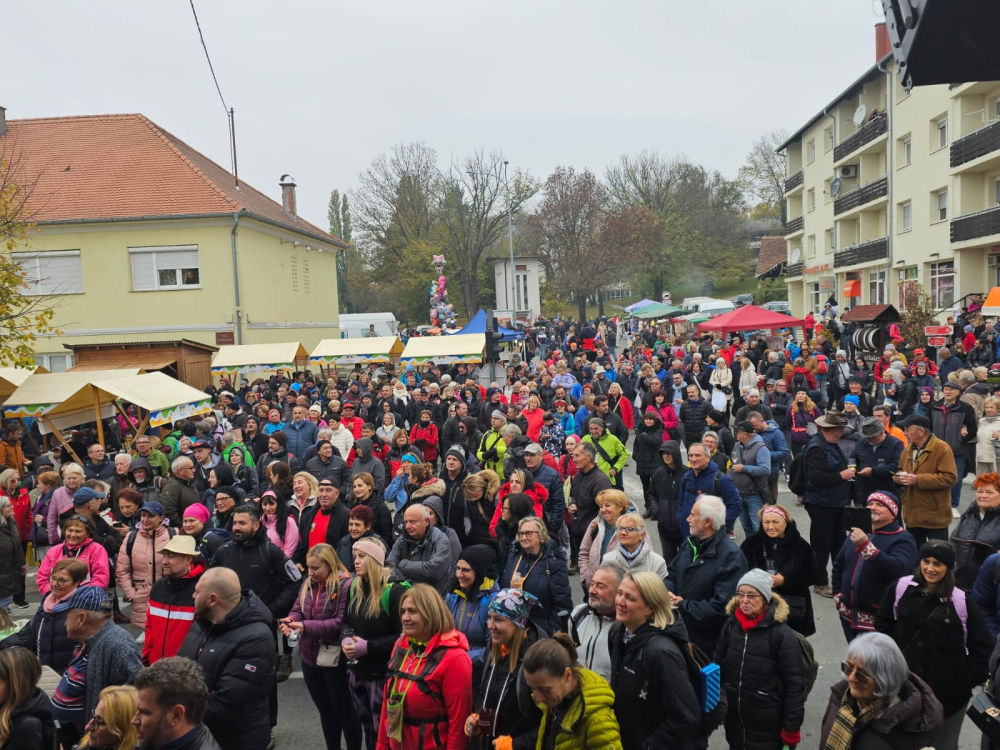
(902,212)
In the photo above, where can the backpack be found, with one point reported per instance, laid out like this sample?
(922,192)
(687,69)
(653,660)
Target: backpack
(386,592)
(427,666)
(821,367)
(130,542)
(810,667)
(957,599)
(799,383)
(705,677)
(797,474)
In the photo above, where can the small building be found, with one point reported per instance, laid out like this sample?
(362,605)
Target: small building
(772,258)
(528,274)
(187,361)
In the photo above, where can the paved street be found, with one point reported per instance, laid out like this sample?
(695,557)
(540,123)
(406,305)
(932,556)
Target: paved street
(298,725)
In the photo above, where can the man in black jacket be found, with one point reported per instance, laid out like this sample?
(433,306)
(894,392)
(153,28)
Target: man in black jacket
(877,455)
(232,640)
(327,465)
(954,422)
(450,434)
(587,483)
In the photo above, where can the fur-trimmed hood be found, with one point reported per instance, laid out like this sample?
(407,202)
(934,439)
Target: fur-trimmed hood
(777,609)
(434,487)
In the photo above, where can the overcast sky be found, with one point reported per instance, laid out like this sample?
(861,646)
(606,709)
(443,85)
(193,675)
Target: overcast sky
(321,87)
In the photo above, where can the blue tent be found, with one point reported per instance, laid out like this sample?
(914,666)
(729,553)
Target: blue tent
(478,325)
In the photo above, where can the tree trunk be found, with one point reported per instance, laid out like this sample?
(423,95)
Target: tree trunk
(657,288)
(581,307)
(469,294)
(600,304)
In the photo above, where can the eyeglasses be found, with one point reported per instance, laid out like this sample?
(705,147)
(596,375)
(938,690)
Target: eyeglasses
(628,529)
(60,581)
(859,674)
(98,722)
(748,597)
(522,534)
(462,570)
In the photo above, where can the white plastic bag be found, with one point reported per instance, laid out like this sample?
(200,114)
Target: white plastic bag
(718,400)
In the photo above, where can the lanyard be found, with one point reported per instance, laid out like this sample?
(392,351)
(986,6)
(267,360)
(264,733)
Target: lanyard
(522,579)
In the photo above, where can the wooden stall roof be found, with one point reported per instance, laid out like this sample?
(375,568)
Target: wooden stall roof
(872,314)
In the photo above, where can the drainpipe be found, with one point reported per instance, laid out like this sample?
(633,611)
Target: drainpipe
(236,281)
(889,145)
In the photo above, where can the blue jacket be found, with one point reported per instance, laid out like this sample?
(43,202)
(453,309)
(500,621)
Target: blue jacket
(774,439)
(300,436)
(986,592)
(555,508)
(860,575)
(545,576)
(948,366)
(704,484)
(470,618)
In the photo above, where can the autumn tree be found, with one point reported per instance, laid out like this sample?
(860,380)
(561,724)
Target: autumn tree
(917,312)
(763,177)
(23,316)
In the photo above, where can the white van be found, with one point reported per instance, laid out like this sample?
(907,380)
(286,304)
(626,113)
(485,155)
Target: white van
(716,307)
(354,325)
(691,303)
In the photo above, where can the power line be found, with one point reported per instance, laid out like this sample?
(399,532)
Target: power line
(225,108)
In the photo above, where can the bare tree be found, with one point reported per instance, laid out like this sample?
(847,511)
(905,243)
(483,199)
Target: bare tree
(763,176)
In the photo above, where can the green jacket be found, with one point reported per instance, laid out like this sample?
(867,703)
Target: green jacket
(490,441)
(590,722)
(158,461)
(617,452)
(247,455)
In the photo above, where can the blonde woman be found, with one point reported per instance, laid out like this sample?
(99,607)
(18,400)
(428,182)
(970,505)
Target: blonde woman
(25,712)
(655,703)
(316,617)
(111,727)
(748,375)
(601,537)
(304,489)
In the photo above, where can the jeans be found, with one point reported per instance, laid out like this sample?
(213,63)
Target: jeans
(5,603)
(748,516)
(956,491)
(328,687)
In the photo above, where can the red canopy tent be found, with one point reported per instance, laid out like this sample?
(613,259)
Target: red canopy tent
(750,318)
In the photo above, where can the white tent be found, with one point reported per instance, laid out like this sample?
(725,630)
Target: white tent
(254,359)
(377,349)
(445,350)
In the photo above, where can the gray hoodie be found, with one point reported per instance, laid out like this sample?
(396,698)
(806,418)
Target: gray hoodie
(365,461)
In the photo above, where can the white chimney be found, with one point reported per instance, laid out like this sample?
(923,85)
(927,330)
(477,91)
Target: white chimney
(288,194)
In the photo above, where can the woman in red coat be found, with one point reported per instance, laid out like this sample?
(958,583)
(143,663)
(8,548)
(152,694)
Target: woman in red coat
(621,406)
(424,435)
(521,480)
(429,691)
(535,414)
(665,410)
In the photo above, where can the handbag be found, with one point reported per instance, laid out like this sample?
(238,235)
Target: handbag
(329,655)
(811,428)
(985,714)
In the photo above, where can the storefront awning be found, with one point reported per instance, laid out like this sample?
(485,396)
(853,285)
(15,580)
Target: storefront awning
(852,288)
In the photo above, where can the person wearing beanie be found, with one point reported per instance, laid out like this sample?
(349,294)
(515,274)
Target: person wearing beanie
(868,562)
(941,632)
(197,523)
(276,451)
(473,588)
(762,667)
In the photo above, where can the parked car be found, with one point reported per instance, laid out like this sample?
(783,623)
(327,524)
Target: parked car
(781,307)
(744,299)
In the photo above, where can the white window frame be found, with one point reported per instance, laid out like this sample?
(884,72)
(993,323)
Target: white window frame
(996,191)
(811,245)
(833,240)
(46,361)
(812,199)
(907,275)
(876,287)
(811,151)
(815,297)
(35,275)
(906,216)
(907,152)
(942,211)
(159,251)
(938,273)
(942,132)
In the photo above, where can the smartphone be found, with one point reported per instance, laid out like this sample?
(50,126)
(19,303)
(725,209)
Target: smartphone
(860,518)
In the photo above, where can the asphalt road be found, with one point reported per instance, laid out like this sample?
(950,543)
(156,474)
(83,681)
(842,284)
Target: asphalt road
(298,724)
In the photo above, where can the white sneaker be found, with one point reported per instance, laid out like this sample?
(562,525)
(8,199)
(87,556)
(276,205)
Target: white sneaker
(955,513)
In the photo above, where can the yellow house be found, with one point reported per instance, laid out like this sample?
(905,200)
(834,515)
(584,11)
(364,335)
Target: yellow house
(140,237)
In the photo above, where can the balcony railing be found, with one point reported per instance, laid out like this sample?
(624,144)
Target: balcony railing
(863,253)
(861,195)
(793,270)
(793,182)
(983,141)
(979,224)
(866,134)
(795,225)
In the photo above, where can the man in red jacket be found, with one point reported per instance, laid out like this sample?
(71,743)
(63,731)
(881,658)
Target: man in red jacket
(171,600)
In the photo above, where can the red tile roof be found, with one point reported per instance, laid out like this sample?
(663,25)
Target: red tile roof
(125,166)
(773,250)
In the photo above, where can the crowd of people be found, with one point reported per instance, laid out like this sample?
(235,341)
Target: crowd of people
(416,536)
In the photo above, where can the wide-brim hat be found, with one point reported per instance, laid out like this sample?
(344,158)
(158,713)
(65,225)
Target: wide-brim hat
(832,419)
(181,544)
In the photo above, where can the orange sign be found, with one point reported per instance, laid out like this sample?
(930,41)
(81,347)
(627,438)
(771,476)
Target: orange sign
(817,269)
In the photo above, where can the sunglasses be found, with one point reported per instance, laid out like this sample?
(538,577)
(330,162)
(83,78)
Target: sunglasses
(860,675)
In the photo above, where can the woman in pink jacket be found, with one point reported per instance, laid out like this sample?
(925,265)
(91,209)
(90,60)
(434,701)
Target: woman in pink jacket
(141,565)
(279,522)
(78,543)
(62,498)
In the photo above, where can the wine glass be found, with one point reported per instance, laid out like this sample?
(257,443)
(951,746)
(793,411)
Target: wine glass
(347,636)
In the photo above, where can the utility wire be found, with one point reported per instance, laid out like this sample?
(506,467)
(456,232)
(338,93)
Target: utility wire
(229,114)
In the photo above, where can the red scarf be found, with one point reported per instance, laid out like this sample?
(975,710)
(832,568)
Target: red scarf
(746,622)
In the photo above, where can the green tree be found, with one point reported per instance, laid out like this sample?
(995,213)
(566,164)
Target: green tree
(333,214)
(345,220)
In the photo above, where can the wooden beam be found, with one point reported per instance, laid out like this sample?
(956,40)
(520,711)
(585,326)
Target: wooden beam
(52,428)
(97,414)
(142,426)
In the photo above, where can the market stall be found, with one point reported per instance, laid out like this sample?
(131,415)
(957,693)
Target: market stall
(11,378)
(750,318)
(256,359)
(380,350)
(654,310)
(444,350)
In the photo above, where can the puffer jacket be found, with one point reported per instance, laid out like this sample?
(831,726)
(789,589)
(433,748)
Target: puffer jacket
(443,709)
(45,636)
(655,703)
(89,552)
(539,496)
(588,724)
(170,615)
(985,444)
(238,658)
(692,417)
(137,574)
(469,614)
(794,559)
(31,724)
(910,723)
(544,575)
(951,655)
(146,489)
(647,448)
(763,677)
(664,492)
(974,539)
(429,560)
(320,616)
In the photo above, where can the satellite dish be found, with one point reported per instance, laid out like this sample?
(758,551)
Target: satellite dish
(835,187)
(796,253)
(859,115)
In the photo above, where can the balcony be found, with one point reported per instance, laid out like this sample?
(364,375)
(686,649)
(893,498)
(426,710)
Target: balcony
(980,224)
(795,225)
(793,182)
(866,252)
(861,195)
(984,141)
(793,270)
(866,134)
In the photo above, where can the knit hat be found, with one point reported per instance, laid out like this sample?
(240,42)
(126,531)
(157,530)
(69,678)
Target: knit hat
(481,558)
(515,605)
(852,399)
(887,499)
(372,548)
(717,416)
(759,580)
(91,598)
(497,414)
(458,452)
(279,437)
(941,551)
(928,389)
(197,510)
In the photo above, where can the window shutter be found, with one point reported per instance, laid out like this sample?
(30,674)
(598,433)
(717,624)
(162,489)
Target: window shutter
(143,272)
(177,259)
(60,274)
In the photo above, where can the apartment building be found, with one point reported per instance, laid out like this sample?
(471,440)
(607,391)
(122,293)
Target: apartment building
(887,187)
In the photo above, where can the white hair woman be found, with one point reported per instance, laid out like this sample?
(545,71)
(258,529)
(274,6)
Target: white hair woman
(880,702)
(634,552)
(62,498)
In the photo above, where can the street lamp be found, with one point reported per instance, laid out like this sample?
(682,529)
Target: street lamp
(510,232)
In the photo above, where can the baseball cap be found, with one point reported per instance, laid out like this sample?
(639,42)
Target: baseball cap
(202,442)
(533,448)
(85,494)
(153,507)
(90,598)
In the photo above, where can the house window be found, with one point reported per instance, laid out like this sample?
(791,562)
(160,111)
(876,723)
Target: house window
(876,288)
(906,216)
(56,272)
(907,151)
(942,132)
(815,300)
(812,246)
(830,139)
(811,152)
(812,199)
(941,205)
(54,362)
(907,281)
(161,268)
(831,246)
(943,284)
